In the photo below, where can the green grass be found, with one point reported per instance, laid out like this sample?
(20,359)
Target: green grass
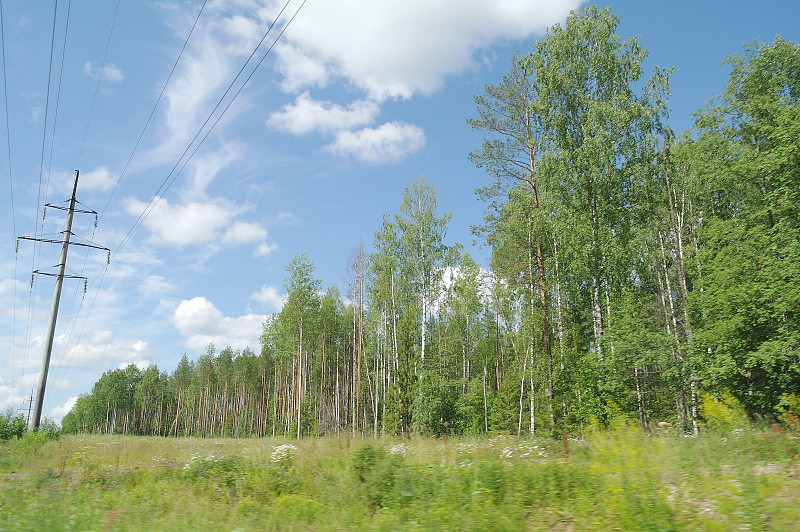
(621,479)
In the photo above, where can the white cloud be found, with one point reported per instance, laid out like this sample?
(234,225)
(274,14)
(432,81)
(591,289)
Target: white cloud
(192,223)
(388,143)
(306,115)
(397,49)
(384,50)
(208,165)
(270,296)
(202,323)
(11,398)
(100,178)
(196,223)
(300,69)
(264,249)
(140,364)
(58,412)
(110,72)
(224,37)
(244,232)
(100,347)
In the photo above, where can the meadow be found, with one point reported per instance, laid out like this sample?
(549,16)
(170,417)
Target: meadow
(622,478)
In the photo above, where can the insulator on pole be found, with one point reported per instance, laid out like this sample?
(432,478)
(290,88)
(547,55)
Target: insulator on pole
(85,286)
(31,280)
(44,212)
(16,248)
(108,259)
(95,221)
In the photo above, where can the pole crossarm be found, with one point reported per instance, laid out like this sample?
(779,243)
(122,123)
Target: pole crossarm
(55,206)
(63,276)
(50,241)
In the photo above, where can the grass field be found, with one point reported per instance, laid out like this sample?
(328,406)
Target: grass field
(621,479)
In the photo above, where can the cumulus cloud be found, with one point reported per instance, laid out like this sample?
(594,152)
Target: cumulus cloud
(388,143)
(58,412)
(398,49)
(306,115)
(300,68)
(102,346)
(100,178)
(202,323)
(197,223)
(192,223)
(110,72)
(269,295)
(10,396)
(384,50)
(243,232)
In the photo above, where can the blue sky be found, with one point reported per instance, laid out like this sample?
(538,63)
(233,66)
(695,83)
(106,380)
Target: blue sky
(355,99)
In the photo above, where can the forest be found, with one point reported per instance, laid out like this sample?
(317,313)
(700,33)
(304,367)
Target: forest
(636,274)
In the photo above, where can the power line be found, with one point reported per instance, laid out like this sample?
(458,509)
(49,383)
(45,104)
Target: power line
(97,86)
(8,126)
(167,183)
(145,213)
(111,195)
(47,110)
(36,248)
(58,97)
(11,196)
(149,118)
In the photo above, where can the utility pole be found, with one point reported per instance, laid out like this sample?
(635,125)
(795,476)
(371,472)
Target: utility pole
(35,421)
(30,405)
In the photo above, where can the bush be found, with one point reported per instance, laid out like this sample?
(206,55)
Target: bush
(789,411)
(364,460)
(722,414)
(50,429)
(11,425)
(379,473)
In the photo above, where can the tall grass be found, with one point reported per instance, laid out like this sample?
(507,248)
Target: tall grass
(619,479)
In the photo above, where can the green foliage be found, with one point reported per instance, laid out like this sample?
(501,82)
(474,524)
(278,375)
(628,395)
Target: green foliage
(471,411)
(364,460)
(504,413)
(746,302)
(379,473)
(789,411)
(434,404)
(617,478)
(11,425)
(30,442)
(722,414)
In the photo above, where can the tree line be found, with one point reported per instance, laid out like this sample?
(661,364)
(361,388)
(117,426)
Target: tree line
(631,270)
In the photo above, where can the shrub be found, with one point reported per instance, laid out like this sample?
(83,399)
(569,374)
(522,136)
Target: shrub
(11,425)
(380,474)
(50,429)
(789,411)
(722,414)
(364,460)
